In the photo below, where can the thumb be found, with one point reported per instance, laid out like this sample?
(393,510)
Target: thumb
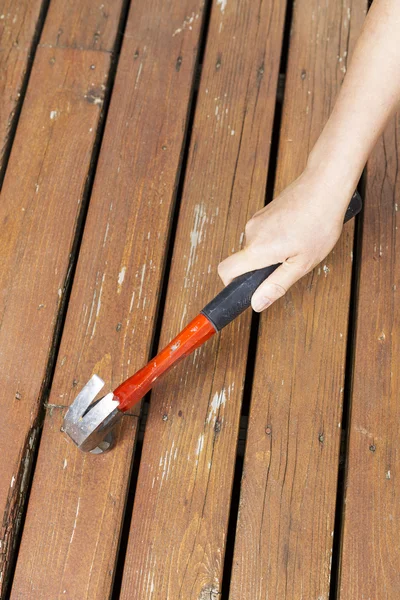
(276,285)
(242,262)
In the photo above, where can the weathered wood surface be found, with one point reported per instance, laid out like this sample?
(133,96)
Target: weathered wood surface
(370,562)
(18,23)
(40,204)
(178,530)
(87,25)
(177,537)
(69,549)
(287,505)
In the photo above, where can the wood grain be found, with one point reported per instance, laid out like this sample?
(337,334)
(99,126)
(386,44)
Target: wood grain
(177,536)
(83,24)
(40,207)
(69,549)
(288,492)
(18,22)
(370,562)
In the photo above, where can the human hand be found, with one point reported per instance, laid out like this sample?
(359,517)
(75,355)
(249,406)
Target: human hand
(298,229)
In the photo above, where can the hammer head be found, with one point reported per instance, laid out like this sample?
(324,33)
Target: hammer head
(89,423)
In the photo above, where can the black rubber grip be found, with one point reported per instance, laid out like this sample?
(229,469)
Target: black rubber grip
(236,297)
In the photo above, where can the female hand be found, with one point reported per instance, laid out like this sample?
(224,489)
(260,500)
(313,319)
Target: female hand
(298,229)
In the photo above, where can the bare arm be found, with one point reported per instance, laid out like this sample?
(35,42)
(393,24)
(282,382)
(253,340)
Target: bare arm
(302,225)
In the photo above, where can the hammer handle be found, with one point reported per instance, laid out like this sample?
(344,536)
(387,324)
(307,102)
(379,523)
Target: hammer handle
(236,296)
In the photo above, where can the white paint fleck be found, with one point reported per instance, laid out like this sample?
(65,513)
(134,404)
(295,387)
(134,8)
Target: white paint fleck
(175,346)
(222,4)
(241,239)
(132,300)
(200,444)
(65,463)
(362,430)
(54,114)
(76,519)
(232,132)
(183,315)
(98,306)
(121,277)
(138,75)
(388,475)
(166,462)
(36,187)
(12,481)
(218,400)
(91,308)
(141,282)
(325,269)
(186,23)
(195,237)
(59,292)
(106,234)
(99,300)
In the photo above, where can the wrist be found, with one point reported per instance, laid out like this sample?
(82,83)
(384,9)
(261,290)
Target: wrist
(336,174)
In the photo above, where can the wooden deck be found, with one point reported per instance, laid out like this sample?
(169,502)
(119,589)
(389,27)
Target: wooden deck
(136,140)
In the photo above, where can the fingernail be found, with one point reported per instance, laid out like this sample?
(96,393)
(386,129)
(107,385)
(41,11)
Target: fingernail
(260,304)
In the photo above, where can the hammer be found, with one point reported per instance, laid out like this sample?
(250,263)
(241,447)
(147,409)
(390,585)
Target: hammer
(89,422)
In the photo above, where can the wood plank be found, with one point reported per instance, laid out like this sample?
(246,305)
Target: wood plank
(40,206)
(88,24)
(370,562)
(69,549)
(18,22)
(288,491)
(177,537)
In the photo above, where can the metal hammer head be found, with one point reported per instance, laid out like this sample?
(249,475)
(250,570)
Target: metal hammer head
(89,423)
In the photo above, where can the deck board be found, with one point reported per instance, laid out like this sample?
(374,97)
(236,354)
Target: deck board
(178,529)
(40,206)
(370,561)
(18,25)
(69,550)
(188,457)
(86,25)
(288,491)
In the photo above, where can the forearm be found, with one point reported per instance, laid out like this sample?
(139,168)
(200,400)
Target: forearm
(369,95)
(301,226)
